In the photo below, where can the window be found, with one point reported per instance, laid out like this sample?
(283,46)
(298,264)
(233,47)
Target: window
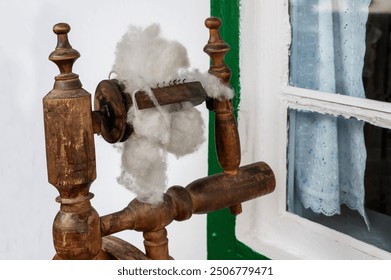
(297,231)
(332,160)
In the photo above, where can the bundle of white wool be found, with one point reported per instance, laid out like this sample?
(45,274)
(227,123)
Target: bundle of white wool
(143,59)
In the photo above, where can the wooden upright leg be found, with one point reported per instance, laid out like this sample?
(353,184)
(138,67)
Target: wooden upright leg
(70,156)
(226,132)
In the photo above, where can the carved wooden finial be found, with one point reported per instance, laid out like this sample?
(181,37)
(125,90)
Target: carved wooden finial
(64,55)
(213,24)
(217,49)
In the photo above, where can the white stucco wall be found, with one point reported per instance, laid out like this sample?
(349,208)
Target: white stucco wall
(27,206)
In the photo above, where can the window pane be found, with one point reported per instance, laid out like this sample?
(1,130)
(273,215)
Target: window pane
(318,168)
(342,46)
(376,74)
(377,175)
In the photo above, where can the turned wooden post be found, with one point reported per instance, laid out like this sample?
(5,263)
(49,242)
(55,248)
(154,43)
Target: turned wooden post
(70,156)
(226,133)
(156,244)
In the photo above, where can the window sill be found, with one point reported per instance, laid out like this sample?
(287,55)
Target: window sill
(288,236)
(352,223)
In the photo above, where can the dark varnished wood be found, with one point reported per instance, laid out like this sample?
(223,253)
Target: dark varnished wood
(192,92)
(111,106)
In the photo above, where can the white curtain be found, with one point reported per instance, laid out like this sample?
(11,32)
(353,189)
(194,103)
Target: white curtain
(327,154)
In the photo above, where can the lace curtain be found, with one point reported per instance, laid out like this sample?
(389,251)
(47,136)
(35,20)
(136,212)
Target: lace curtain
(328,153)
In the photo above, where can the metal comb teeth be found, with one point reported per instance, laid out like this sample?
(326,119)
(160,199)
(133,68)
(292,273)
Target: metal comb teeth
(170,83)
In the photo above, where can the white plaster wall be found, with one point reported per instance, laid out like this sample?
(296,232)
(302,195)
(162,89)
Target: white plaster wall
(27,206)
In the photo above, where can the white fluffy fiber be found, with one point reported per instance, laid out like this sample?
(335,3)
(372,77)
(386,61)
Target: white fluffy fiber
(144,59)
(153,124)
(212,85)
(186,131)
(143,169)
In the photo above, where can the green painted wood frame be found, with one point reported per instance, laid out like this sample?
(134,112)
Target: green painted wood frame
(221,240)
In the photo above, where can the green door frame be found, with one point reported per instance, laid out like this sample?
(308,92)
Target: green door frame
(221,240)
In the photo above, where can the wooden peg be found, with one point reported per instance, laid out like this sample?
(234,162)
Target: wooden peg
(226,133)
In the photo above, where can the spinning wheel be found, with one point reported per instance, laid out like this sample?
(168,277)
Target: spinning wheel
(70,124)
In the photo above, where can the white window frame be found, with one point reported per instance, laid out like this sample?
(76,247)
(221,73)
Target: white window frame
(265,225)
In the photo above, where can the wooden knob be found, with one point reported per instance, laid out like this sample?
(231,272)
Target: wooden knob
(216,48)
(213,23)
(64,55)
(61,28)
